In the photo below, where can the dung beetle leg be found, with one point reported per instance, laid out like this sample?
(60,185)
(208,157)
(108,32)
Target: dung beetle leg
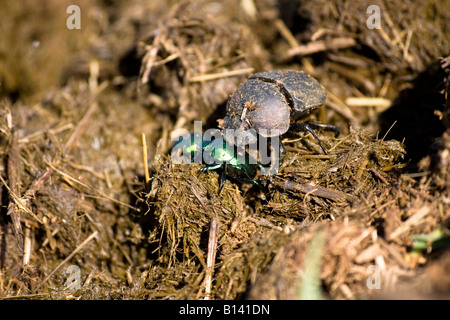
(282,152)
(327,127)
(306,126)
(223,176)
(210,168)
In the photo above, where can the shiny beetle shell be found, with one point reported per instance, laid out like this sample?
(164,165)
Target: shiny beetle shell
(272,100)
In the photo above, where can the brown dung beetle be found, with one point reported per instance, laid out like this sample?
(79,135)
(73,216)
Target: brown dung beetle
(271,102)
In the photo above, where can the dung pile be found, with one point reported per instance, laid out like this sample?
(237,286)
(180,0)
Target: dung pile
(356,165)
(184,202)
(74,105)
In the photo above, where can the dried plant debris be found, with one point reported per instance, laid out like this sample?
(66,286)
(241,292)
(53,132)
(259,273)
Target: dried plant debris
(445,114)
(191,64)
(78,220)
(401,42)
(356,166)
(354,263)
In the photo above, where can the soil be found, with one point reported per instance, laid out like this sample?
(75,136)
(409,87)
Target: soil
(86,215)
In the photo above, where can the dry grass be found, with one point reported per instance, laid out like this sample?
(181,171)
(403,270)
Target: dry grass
(74,186)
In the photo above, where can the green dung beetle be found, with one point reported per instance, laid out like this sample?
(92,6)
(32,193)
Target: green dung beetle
(232,161)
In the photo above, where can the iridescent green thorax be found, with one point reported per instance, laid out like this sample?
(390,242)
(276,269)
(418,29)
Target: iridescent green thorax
(219,151)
